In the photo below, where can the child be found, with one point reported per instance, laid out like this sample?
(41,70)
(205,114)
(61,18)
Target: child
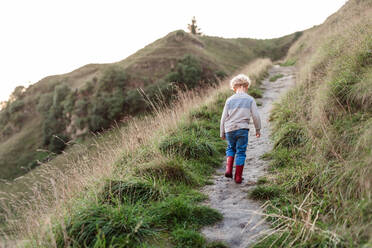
(234,124)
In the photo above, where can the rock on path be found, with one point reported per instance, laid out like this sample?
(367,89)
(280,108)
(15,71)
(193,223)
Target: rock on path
(236,228)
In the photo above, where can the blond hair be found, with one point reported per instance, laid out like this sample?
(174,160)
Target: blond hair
(240,80)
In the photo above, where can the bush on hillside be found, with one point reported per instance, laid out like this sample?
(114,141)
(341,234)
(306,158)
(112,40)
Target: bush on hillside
(55,122)
(58,142)
(113,78)
(188,72)
(221,74)
(45,103)
(16,106)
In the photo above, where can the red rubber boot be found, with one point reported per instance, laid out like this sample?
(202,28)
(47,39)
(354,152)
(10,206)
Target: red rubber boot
(229,166)
(238,173)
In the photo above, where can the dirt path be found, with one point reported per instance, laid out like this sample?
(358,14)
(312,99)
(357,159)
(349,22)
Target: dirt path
(231,199)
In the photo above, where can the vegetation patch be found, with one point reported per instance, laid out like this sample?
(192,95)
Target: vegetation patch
(288,62)
(180,211)
(171,171)
(188,145)
(188,239)
(276,77)
(127,224)
(320,161)
(265,192)
(116,192)
(158,201)
(255,92)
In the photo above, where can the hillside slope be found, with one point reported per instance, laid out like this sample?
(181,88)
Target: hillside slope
(39,121)
(133,186)
(322,160)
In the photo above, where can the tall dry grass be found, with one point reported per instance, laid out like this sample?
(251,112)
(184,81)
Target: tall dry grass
(82,171)
(331,108)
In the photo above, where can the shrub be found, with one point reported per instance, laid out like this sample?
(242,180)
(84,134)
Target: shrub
(58,143)
(188,72)
(45,103)
(134,102)
(221,74)
(81,107)
(114,77)
(16,106)
(60,93)
(69,103)
(115,105)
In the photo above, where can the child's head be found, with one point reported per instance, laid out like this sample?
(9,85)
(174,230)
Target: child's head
(240,81)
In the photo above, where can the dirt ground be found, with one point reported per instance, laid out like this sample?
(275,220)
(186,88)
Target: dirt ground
(242,224)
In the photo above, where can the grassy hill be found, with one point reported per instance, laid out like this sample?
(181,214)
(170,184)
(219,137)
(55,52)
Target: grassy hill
(39,121)
(135,185)
(322,161)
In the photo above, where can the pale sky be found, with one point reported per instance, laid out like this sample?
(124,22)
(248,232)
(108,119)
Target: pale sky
(46,37)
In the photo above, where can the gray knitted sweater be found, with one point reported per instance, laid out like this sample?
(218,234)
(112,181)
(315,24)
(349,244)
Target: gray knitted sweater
(237,113)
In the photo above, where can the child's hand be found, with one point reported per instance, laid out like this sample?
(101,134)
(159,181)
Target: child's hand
(258,133)
(223,137)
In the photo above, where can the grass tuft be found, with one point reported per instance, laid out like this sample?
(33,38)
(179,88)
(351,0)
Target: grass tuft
(217,244)
(118,225)
(288,62)
(262,192)
(188,239)
(276,77)
(170,171)
(255,92)
(189,145)
(174,211)
(116,192)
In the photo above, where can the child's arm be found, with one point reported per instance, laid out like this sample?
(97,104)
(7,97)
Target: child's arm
(222,123)
(256,118)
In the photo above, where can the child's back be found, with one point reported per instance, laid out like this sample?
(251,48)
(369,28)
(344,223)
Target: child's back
(237,113)
(234,127)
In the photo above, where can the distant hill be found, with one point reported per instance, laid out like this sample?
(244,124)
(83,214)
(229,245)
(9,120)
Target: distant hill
(38,121)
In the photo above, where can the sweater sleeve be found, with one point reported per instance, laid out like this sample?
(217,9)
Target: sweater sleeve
(255,116)
(222,123)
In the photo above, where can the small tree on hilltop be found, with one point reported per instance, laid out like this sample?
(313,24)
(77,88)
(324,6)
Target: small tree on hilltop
(193,28)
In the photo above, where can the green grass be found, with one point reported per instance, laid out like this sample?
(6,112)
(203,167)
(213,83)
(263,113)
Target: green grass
(264,192)
(321,161)
(288,62)
(262,180)
(216,55)
(255,92)
(127,224)
(276,77)
(159,203)
(117,192)
(188,239)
